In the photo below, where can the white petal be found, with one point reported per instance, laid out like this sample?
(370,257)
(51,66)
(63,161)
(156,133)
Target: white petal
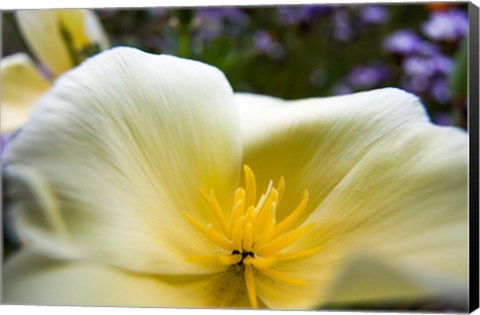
(406,203)
(30,278)
(22,86)
(314,143)
(117,151)
(58,37)
(383,181)
(365,280)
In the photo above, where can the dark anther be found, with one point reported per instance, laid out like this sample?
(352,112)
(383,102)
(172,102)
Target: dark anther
(244,254)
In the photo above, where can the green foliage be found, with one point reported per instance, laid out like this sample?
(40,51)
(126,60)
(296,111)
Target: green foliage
(459,78)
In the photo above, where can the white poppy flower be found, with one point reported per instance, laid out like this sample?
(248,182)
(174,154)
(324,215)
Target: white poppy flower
(127,185)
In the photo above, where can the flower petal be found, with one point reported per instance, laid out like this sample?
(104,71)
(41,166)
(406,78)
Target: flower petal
(61,39)
(383,182)
(22,86)
(30,278)
(314,143)
(406,203)
(116,152)
(368,280)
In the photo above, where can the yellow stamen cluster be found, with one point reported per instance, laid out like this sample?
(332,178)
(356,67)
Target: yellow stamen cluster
(251,237)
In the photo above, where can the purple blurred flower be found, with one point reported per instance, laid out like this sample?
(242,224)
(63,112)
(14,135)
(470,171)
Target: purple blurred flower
(265,44)
(403,42)
(418,66)
(3,144)
(443,65)
(313,10)
(436,65)
(342,28)
(342,89)
(427,49)
(209,30)
(209,22)
(439,90)
(368,76)
(227,13)
(450,25)
(428,77)
(294,15)
(374,14)
(442,119)
(415,84)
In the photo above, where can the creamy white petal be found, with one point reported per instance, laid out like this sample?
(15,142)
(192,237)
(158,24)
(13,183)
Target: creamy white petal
(60,38)
(366,280)
(22,86)
(114,154)
(30,278)
(406,203)
(314,143)
(383,181)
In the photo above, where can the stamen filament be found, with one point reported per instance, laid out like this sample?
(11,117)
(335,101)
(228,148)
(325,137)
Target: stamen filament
(272,198)
(248,237)
(281,276)
(260,262)
(250,186)
(283,241)
(205,196)
(296,255)
(224,259)
(266,221)
(251,235)
(293,216)
(220,241)
(210,233)
(196,224)
(264,197)
(238,212)
(250,284)
(230,259)
(219,214)
(267,229)
(239,195)
(237,233)
(249,216)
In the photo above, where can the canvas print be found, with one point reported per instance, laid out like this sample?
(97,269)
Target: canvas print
(302,157)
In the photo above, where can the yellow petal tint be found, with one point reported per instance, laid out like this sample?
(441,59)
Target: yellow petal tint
(61,39)
(251,240)
(22,86)
(384,182)
(315,142)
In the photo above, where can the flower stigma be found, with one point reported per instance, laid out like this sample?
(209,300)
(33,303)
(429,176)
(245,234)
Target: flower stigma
(251,239)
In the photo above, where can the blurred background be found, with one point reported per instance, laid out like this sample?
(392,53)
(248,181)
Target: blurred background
(309,50)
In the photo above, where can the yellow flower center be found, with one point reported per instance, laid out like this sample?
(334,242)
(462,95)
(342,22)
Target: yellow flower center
(251,238)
